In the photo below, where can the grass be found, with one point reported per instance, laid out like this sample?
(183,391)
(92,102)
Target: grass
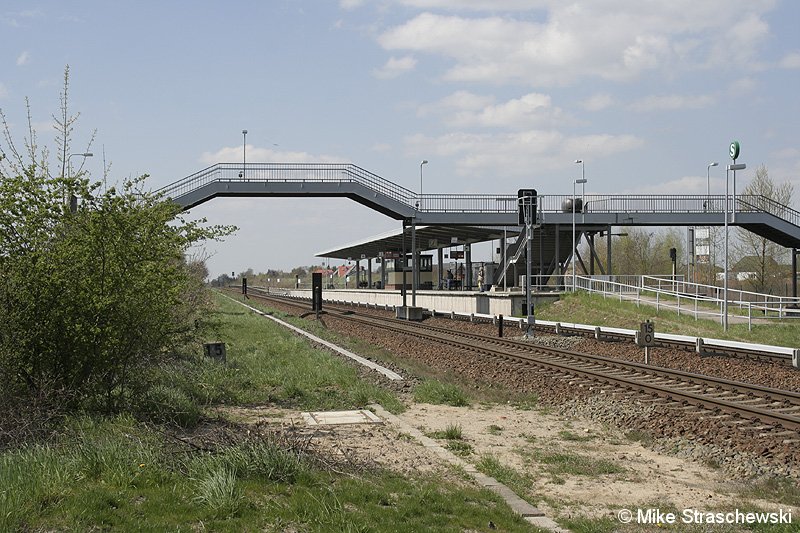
(590,525)
(574,437)
(120,474)
(585,308)
(469,390)
(436,392)
(519,483)
(781,490)
(561,463)
(450,432)
(266,364)
(460,447)
(494,429)
(642,437)
(92,479)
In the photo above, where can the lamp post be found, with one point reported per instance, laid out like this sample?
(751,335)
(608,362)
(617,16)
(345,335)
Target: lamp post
(708,177)
(582,181)
(706,207)
(73,201)
(734,167)
(244,152)
(424,162)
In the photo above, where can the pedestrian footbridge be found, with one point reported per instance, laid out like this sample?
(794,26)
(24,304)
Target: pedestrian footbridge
(555,225)
(758,214)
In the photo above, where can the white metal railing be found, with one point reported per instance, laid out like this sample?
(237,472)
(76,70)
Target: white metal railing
(687,298)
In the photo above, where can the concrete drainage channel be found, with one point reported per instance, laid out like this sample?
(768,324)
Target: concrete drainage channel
(530,513)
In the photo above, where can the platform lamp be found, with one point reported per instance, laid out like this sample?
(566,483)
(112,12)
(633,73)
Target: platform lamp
(244,152)
(73,200)
(424,162)
(582,181)
(708,203)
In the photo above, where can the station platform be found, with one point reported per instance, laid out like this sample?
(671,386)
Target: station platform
(489,303)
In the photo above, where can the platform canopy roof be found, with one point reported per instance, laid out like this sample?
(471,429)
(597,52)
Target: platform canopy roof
(428,238)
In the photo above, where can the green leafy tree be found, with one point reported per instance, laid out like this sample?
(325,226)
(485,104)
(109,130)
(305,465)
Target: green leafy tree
(93,292)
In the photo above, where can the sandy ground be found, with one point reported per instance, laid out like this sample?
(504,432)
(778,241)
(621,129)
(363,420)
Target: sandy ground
(523,440)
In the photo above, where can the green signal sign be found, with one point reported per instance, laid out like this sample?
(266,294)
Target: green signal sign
(734,150)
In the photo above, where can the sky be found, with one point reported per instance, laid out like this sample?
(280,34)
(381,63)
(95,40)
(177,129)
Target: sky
(496,94)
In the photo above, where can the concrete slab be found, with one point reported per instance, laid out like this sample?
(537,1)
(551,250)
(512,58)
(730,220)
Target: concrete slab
(336,418)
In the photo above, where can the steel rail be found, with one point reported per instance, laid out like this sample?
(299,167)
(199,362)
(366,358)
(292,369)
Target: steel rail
(640,384)
(664,343)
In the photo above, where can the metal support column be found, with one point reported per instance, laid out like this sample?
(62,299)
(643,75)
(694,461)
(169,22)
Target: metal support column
(369,273)
(468,259)
(794,272)
(383,273)
(560,271)
(591,254)
(440,258)
(414,263)
(403,266)
(608,251)
(358,274)
(503,244)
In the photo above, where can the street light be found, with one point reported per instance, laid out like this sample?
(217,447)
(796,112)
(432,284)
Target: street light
(582,181)
(706,207)
(728,168)
(73,201)
(244,152)
(424,162)
(708,177)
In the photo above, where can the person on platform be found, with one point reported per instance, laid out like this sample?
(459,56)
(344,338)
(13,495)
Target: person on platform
(480,279)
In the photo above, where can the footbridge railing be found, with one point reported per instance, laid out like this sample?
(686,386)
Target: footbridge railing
(474,203)
(290,172)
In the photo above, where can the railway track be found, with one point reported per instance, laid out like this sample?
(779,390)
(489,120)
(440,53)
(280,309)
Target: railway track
(748,407)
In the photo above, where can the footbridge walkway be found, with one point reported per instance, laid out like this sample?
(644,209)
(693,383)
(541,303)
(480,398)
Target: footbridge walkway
(758,214)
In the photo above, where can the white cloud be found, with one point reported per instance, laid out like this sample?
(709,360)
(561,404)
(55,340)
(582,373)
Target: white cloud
(463,109)
(787,153)
(530,153)
(598,102)
(742,87)
(609,39)
(791,60)
(24,58)
(351,4)
(672,102)
(264,155)
(479,5)
(381,147)
(394,67)
(686,185)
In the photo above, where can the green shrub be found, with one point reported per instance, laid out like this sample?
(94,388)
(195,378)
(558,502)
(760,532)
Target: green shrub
(94,291)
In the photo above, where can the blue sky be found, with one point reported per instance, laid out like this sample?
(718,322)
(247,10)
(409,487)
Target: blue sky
(496,94)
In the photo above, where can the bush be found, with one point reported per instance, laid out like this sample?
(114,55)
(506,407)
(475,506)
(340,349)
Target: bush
(95,290)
